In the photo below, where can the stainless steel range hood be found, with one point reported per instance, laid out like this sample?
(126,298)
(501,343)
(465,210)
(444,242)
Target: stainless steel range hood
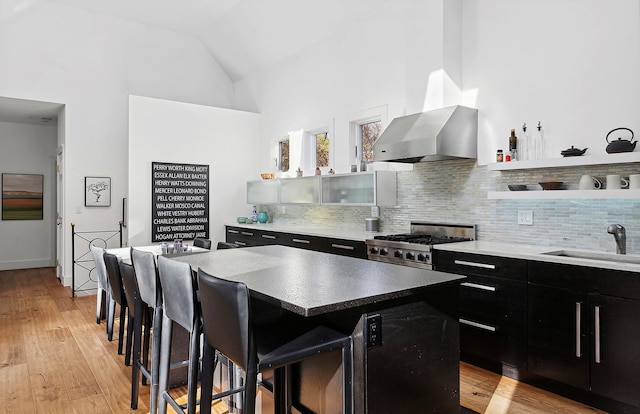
(439,134)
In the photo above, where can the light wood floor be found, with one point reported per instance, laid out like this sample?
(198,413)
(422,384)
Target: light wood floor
(54,358)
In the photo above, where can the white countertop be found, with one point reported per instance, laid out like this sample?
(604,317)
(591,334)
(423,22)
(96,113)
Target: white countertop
(346,233)
(530,252)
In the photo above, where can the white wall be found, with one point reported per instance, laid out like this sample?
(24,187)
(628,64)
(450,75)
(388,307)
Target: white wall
(91,63)
(29,149)
(573,65)
(388,57)
(166,131)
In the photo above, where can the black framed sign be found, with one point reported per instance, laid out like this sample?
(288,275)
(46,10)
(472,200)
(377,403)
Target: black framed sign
(179,201)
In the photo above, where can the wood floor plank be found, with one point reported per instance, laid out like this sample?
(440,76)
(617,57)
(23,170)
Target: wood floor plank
(116,388)
(16,395)
(95,404)
(12,350)
(489,393)
(78,378)
(48,390)
(85,334)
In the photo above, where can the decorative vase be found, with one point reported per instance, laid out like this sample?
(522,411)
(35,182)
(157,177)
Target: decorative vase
(263,217)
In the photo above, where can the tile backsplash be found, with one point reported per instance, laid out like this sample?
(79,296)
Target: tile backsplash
(456,192)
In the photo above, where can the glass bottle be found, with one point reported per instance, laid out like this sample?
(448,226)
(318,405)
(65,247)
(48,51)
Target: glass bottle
(513,144)
(539,143)
(524,144)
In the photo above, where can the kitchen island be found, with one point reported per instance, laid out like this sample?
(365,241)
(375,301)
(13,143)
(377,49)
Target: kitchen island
(410,365)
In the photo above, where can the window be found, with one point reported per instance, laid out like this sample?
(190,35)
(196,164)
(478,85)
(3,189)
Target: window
(322,149)
(365,127)
(283,155)
(368,135)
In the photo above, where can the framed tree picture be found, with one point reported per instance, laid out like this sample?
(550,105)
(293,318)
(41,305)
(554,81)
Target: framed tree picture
(97,191)
(22,196)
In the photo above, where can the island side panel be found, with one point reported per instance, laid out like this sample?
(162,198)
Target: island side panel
(416,369)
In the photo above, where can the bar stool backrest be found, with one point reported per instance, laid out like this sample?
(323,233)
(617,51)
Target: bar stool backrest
(202,242)
(179,292)
(115,279)
(144,264)
(226,316)
(98,258)
(130,285)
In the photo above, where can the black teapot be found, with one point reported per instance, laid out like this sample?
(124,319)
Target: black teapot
(620,145)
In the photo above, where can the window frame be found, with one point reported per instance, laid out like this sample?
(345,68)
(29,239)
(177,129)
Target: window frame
(278,153)
(327,129)
(376,114)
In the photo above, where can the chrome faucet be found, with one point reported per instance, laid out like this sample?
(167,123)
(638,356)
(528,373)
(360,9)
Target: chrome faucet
(620,235)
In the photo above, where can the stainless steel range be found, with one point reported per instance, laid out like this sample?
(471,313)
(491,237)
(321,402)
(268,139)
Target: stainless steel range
(414,248)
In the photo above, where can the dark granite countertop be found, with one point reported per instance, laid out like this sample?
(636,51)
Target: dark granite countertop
(311,283)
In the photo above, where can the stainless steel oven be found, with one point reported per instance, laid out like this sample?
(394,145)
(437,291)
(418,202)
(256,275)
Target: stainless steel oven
(415,248)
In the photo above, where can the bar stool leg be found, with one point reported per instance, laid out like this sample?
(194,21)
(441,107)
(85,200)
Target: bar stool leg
(164,364)
(156,344)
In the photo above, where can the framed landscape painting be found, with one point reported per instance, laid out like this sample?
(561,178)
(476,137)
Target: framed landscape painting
(22,196)
(97,191)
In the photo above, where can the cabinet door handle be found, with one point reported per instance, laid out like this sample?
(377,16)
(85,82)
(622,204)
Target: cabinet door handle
(477,286)
(477,325)
(342,246)
(267,236)
(240,243)
(301,241)
(578,332)
(246,233)
(473,264)
(597,333)
(233,231)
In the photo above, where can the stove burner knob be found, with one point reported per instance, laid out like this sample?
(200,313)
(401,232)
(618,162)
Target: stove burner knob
(398,253)
(384,251)
(374,250)
(422,257)
(410,255)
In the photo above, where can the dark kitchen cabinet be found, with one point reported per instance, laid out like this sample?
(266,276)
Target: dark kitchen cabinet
(583,329)
(559,335)
(257,237)
(245,237)
(493,310)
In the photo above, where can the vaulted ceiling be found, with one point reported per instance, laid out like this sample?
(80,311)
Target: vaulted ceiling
(242,35)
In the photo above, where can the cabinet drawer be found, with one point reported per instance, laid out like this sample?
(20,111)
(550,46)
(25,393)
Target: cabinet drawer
(500,293)
(499,345)
(475,264)
(349,248)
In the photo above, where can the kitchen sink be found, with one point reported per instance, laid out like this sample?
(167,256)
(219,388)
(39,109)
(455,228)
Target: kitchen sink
(609,257)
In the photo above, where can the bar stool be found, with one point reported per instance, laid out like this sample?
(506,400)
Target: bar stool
(117,294)
(180,306)
(139,316)
(202,242)
(103,289)
(228,328)
(144,265)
